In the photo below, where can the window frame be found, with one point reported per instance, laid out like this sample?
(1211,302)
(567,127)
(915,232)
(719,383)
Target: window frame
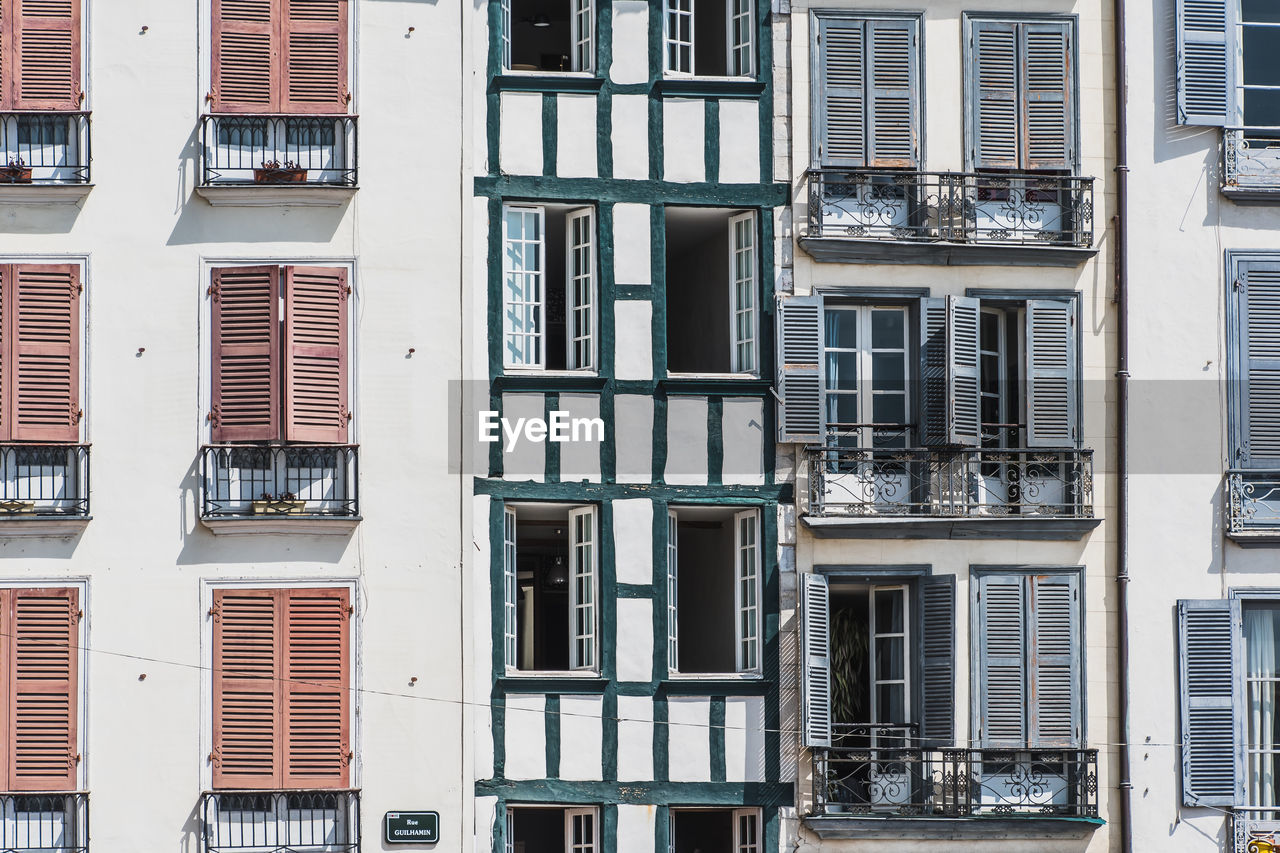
(577,67)
(751,47)
(737,843)
(570,812)
(865,352)
(1239,598)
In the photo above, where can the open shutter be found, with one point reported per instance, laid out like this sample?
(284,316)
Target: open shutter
(580,287)
(815,642)
(314,49)
(673,591)
(964,420)
(1258,330)
(1206,51)
(938,661)
(933,371)
(842,103)
(315,364)
(800,369)
(1051,373)
(1211,693)
(42,354)
(1002,684)
(44,55)
(894,88)
(509,588)
(746,527)
(316,688)
(584,34)
(246,689)
(1047,80)
(1054,661)
(741,40)
(43,688)
(583,587)
(993,74)
(743,291)
(245,346)
(245,62)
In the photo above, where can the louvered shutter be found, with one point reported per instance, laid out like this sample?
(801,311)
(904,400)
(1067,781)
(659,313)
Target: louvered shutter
(1047,80)
(315,363)
(245,60)
(1051,373)
(842,102)
(799,360)
(314,49)
(42,352)
(964,398)
(1258,329)
(933,371)
(937,661)
(43,663)
(1054,661)
(815,643)
(993,73)
(1002,684)
(1206,50)
(246,689)
(43,55)
(245,346)
(316,691)
(1211,699)
(893,89)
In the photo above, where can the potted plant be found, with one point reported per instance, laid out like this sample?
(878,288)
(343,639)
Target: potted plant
(285,503)
(276,172)
(16,172)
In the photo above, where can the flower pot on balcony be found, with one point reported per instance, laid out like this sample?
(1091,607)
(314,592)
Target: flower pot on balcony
(270,175)
(280,507)
(15,175)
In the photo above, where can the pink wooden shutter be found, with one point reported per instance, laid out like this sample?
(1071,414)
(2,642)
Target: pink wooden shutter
(246,56)
(43,353)
(317,696)
(246,346)
(42,689)
(314,43)
(44,55)
(246,688)
(315,369)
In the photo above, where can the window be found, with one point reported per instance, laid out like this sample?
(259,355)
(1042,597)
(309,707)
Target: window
(281,688)
(1021,94)
(552,829)
(870,343)
(1227,70)
(551,584)
(867,73)
(548,35)
(713,606)
(704,830)
(548,327)
(40,57)
(710,38)
(712,265)
(40,356)
(1254,363)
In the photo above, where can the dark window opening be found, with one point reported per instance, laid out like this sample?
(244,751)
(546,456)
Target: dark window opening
(541,35)
(705,592)
(542,593)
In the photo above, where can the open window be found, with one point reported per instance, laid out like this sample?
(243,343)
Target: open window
(548,35)
(706,830)
(551,586)
(710,38)
(552,829)
(712,290)
(713,589)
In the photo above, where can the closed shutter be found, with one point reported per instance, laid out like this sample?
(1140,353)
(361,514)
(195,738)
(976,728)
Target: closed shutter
(42,666)
(43,55)
(815,655)
(245,60)
(1210,687)
(842,103)
(963,384)
(246,345)
(799,358)
(1205,62)
(993,72)
(246,689)
(894,84)
(314,48)
(937,665)
(1002,683)
(1258,383)
(42,352)
(315,364)
(1047,84)
(933,371)
(1051,373)
(316,695)
(1054,661)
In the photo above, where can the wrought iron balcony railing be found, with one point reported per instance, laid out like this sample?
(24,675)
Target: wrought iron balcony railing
(879,771)
(276,821)
(280,481)
(48,823)
(1251,159)
(950,483)
(294,150)
(1253,501)
(958,207)
(44,480)
(44,147)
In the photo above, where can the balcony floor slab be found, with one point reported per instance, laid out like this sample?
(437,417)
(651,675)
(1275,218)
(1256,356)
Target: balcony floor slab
(43,193)
(326,526)
(852,250)
(1027,827)
(1044,529)
(275,195)
(43,526)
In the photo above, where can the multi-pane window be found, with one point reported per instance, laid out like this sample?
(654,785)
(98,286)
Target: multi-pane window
(552,829)
(1227,67)
(700,830)
(709,38)
(550,311)
(1261,625)
(547,35)
(866,403)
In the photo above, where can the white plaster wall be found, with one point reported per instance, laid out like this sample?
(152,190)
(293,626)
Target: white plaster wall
(575,136)
(744,753)
(686,441)
(523,459)
(580,460)
(633,540)
(520,142)
(630,42)
(742,431)
(631,242)
(635,741)
(630,136)
(633,421)
(684,130)
(689,741)
(526,736)
(633,339)
(580,737)
(739,141)
(635,639)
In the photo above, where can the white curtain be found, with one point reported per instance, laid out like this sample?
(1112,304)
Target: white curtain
(1260,642)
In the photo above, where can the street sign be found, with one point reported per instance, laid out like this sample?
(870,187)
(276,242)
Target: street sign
(411,828)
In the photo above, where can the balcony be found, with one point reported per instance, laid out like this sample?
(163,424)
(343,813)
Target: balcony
(276,821)
(264,160)
(44,490)
(1251,164)
(44,157)
(48,823)
(894,216)
(1253,507)
(948,493)
(295,488)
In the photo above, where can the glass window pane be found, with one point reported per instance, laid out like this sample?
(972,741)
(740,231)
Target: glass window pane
(842,329)
(889,408)
(891,703)
(842,371)
(889,658)
(1261,107)
(1264,11)
(1262,56)
(990,334)
(842,409)
(889,612)
(888,329)
(888,371)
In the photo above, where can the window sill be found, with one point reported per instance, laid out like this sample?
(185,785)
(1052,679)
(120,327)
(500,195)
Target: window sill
(852,250)
(43,527)
(546,81)
(314,525)
(44,193)
(718,87)
(897,527)
(275,195)
(1026,827)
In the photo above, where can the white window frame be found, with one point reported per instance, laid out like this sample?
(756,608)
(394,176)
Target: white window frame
(583,37)
(570,813)
(672,10)
(510,589)
(747,591)
(504,34)
(740,10)
(673,47)
(744,352)
(573,818)
(865,351)
(535,340)
(741,843)
(584,583)
(580,268)
(673,599)
(875,635)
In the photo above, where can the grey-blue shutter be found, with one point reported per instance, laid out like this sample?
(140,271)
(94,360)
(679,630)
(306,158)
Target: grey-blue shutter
(815,658)
(933,371)
(938,661)
(1206,52)
(964,398)
(1051,373)
(1211,687)
(993,93)
(1002,685)
(1053,661)
(800,369)
(1258,325)
(1047,81)
(894,86)
(841,92)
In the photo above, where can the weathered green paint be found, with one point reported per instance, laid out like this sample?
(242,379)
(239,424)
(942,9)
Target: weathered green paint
(661,742)
(715,441)
(635,590)
(711,142)
(653,191)
(550,132)
(716,734)
(660,793)
(658,289)
(662,664)
(662,831)
(548,83)
(634,292)
(551,728)
(585,492)
(550,449)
